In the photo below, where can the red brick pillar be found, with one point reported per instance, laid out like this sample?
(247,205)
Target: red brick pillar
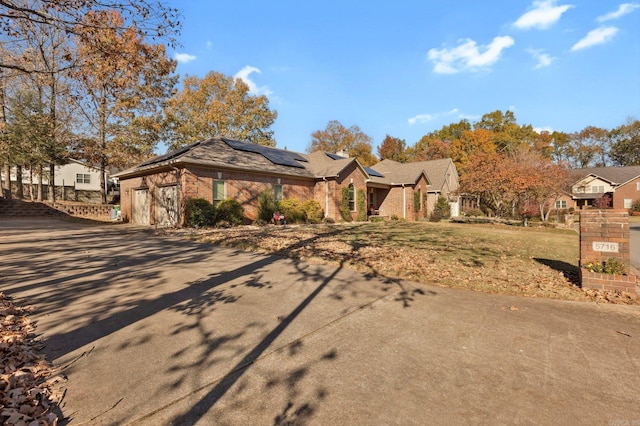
(604,234)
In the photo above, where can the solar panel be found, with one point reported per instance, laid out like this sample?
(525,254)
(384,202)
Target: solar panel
(334,156)
(276,156)
(372,172)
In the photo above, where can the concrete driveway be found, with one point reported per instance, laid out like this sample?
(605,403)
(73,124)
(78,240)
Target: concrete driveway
(156,330)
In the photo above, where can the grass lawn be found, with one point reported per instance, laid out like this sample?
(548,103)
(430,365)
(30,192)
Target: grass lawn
(536,262)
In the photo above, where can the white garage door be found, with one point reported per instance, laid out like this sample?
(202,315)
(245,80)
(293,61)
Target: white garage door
(140,206)
(167,206)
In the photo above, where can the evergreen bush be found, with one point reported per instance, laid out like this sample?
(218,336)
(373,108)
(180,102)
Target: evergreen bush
(266,206)
(199,212)
(344,205)
(442,208)
(362,206)
(229,211)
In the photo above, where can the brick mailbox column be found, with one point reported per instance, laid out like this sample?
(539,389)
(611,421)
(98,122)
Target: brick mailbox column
(604,235)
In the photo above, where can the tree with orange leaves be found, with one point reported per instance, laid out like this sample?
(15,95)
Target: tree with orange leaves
(121,85)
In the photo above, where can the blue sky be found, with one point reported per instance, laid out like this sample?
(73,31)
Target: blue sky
(406,68)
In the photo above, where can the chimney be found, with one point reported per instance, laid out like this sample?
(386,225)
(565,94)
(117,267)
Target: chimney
(342,153)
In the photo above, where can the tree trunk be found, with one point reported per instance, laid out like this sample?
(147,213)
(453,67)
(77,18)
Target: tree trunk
(39,193)
(6,183)
(52,183)
(19,187)
(31,193)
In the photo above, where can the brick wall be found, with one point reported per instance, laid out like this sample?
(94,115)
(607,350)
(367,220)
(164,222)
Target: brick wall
(597,281)
(608,227)
(197,182)
(604,226)
(245,187)
(20,208)
(150,182)
(629,191)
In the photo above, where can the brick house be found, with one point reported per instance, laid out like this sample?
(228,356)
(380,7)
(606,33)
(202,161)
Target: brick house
(622,184)
(154,191)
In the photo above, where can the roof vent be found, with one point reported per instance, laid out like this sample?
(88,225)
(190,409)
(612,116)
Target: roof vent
(342,153)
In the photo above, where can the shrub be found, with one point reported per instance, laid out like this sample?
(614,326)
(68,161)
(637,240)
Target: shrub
(442,208)
(362,206)
(603,202)
(230,211)
(635,207)
(376,219)
(312,211)
(435,217)
(474,212)
(344,205)
(266,206)
(611,266)
(292,210)
(394,217)
(199,212)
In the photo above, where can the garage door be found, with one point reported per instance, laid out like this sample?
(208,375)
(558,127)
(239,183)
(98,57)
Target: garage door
(167,206)
(140,206)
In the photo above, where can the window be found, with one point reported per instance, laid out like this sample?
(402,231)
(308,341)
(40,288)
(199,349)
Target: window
(638,186)
(352,197)
(83,178)
(561,204)
(277,189)
(627,203)
(218,191)
(597,189)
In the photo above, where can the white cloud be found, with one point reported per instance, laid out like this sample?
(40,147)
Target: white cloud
(543,59)
(600,35)
(425,118)
(420,118)
(244,74)
(468,56)
(183,58)
(544,14)
(622,10)
(539,130)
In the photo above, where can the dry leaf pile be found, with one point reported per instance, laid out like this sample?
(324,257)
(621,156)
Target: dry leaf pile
(25,384)
(450,261)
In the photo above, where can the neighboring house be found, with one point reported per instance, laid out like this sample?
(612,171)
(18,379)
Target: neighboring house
(622,184)
(154,191)
(75,181)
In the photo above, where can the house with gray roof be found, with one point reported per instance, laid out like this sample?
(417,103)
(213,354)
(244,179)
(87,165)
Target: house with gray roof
(622,184)
(155,191)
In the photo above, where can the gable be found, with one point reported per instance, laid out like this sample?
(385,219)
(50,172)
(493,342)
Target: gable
(592,185)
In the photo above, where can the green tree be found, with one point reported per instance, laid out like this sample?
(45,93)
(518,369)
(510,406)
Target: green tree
(625,150)
(29,131)
(335,138)
(590,147)
(217,105)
